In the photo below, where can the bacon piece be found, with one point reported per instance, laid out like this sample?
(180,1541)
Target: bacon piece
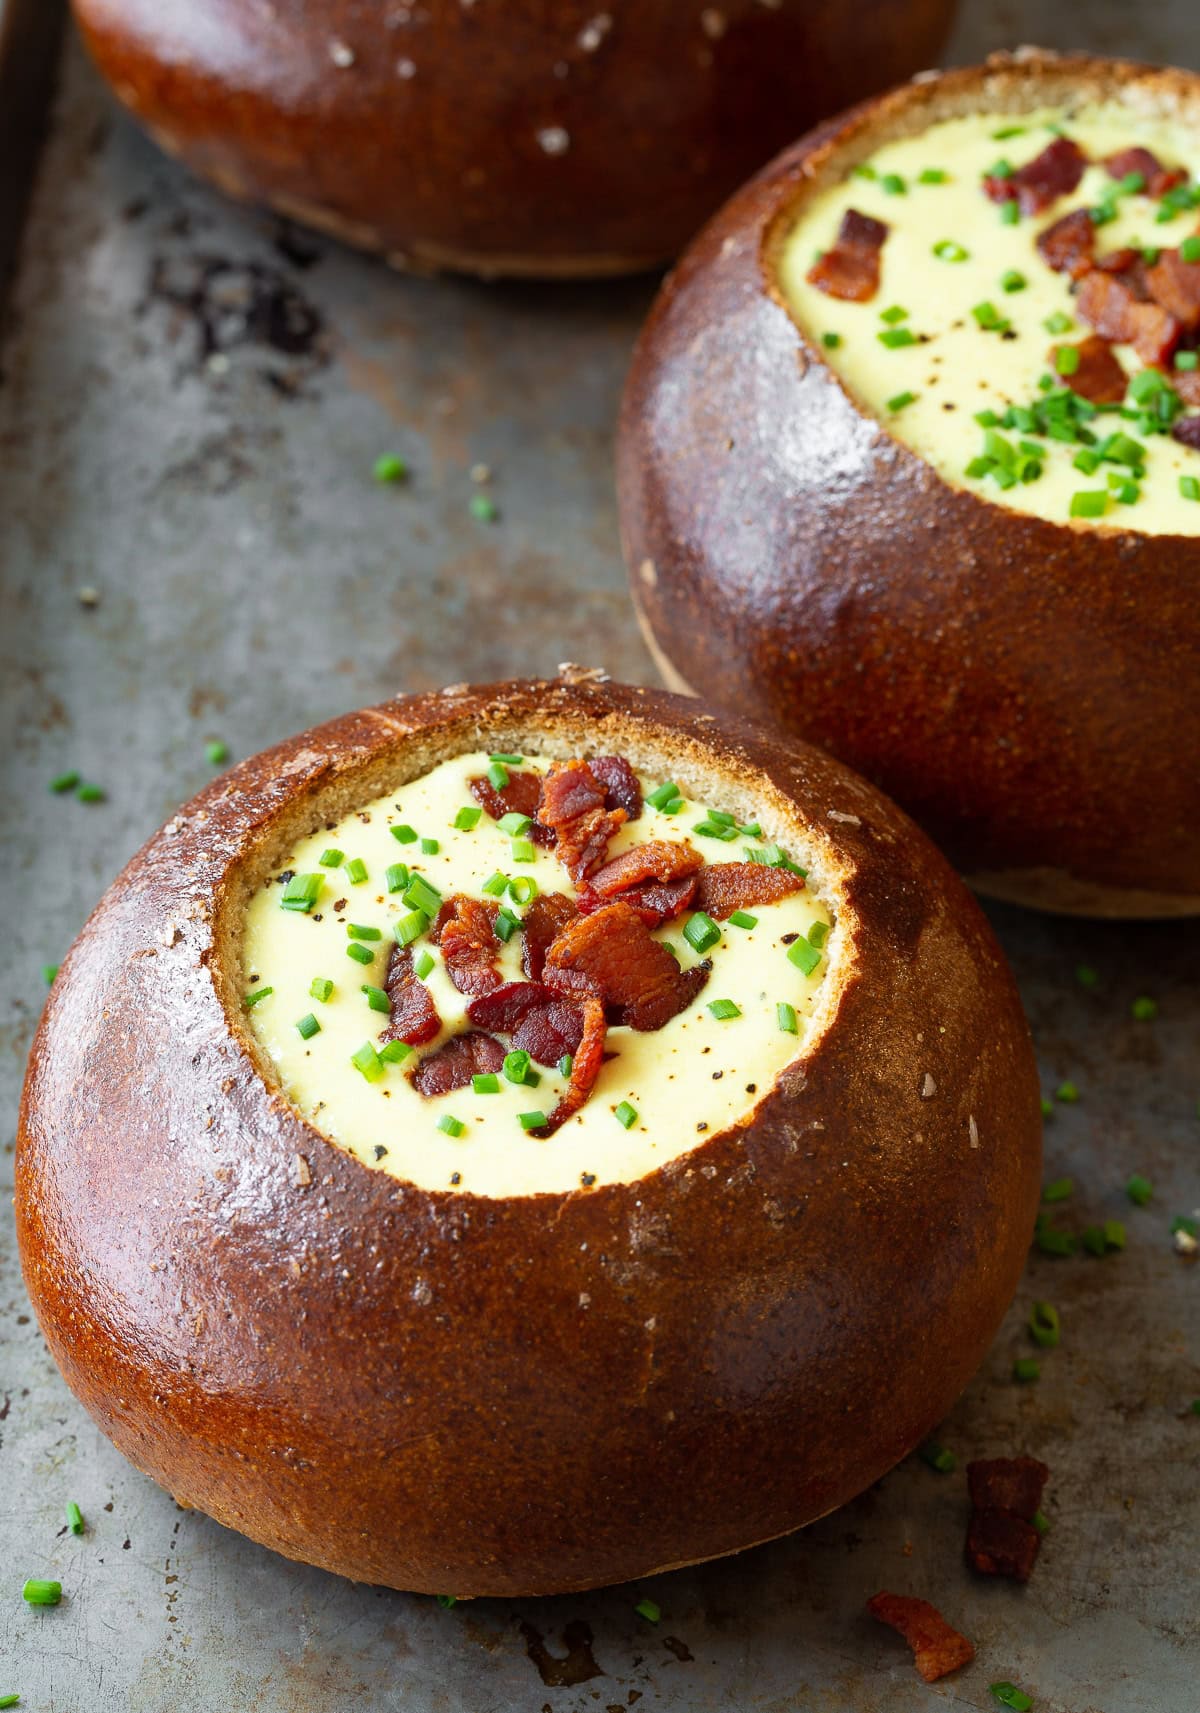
(541,925)
(622,789)
(540,1021)
(656,902)
(1002,1545)
(573,807)
(1108,304)
(1159,179)
(1069,246)
(465,931)
(937,1647)
(1055,172)
(657,859)
(520,796)
(585,1067)
(1125,262)
(414,1016)
(1099,377)
(1187,429)
(850,269)
(611,954)
(454,1063)
(1012,1484)
(723,887)
(1175,284)
(1005,1493)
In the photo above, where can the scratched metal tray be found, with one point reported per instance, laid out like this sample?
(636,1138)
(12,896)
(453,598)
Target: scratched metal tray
(191,401)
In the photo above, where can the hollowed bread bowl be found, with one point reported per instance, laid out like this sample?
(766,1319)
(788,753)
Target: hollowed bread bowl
(806,545)
(493,1394)
(533,137)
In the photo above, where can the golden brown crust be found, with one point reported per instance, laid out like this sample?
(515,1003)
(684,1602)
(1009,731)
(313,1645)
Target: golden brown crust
(402,1384)
(1016,684)
(530,138)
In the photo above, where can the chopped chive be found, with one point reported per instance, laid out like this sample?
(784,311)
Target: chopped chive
(1067,1092)
(90,793)
(1059,1190)
(307,1026)
(1008,1695)
(932,175)
(332,857)
(650,1610)
(377,998)
(1041,1522)
(389,467)
(1066,359)
(38,1592)
(565,1065)
(893,315)
(447,1601)
(421,895)
(724,1009)
(751,830)
(1187,359)
(831,341)
(396,876)
(625,1115)
(1139,1190)
(357,931)
(893,184)
(320,987)
(523,890)
(483,508)
(301,892)
(743,919)
(485,1082)
(497,775)
(523,851)
(1013,281)
(1114,1234)
(1047,1108)
(663,794)
(1092,502)
(785,1017)
(356,871)
(518,1068)
(1093,1240)
(1006,131)
(496,885)
(1051,1240)
(9,1700)
(430,847)
(804,955)
(1189,487)
(864,169)
(989,318)
(257,994)
(64,781)
(1144,1009)
(938,1457)
(392,1052)
(516,826)
(216,752)
(899,400)
(701,932)
(508,760)
(710,829)
(367,1060)
(1086,976)
(410,927)
(1189,250)
(531,1120)
(896,337)
(74,1518)
(1087,462)
(423,965)
(1010,213)
(1058,322)
(722,817)
(49,971)
(1026,1368)
(1044,1325)
(948,250)
(468,817)
(451,1126)
(360,954)
(403,833)
(818,933)
(506,925)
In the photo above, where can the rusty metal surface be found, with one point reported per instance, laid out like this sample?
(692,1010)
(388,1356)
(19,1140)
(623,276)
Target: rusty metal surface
(191,401)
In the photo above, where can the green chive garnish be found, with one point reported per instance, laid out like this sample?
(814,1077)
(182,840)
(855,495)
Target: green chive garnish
(367,1060)
(255,996)
(1013,281)
(1041,1522)
(49,971)
(1066,359)
(804,955)
(523,890)
(523,851)
(483,508)
(420,894)
(893,315)
(320,987)
(332,858)
(377,998)
(216,752)
(405,834)
(90,793)
(1189,250)
(447,1601)
(668,791)
(785,1017)
(485,1082)
(989,318)
(947,250)
(1059,1190)
(301,892)
(625,1115)
(531,1120)
(1139,1190)
(518,1068)
(389,467)
(1187,359)
(1025,1368)
(1144,1009)
(37,1592)
(1189,487)
(423,965)
(938,1457)
(358,931)
(893,184)
(1090,503)
(818,933)
(467,817)
(396,876)
(895,338)
(1067,1092)
(9,1700)
(650,1610)
(356,871)
(516,826)
(411,927)
(565,1065)
(1010,213)
(724,1009)
(932,175)
(307,1026)
(743,919)
(1044,1325)
(1008,1695)
(430,847)
(360,954)
(74,1518)
(1058,322)
(506,925)
(393,1051)
(701,932)
(496,885)
(497,775)
(899,400)
(1051,1240)
(64,782)
(831,341)
(451,1126)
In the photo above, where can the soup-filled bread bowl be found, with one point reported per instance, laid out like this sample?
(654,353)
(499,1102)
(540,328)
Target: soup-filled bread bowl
(498,136)
(527,1137)
(910,463)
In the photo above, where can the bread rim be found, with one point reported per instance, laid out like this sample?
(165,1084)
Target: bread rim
(400,1384)
(883,579)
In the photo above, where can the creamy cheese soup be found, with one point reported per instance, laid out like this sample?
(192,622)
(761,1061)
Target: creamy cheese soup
(319,936)
(958,352)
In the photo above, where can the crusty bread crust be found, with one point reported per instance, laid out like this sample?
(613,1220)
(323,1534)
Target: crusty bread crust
(403,1385)
(1016,684)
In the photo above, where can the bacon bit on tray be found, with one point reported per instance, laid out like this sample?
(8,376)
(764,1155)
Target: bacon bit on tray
(1098,377)
(414,1016)
(1054,173)
(723,887)
(622,788)
(541,1022)
(1001,1537)
(541,925)
(1069,246)
(611,954)
(454,1064)
(850,269)
(656,902)
(657,859)
(1159,179)
(464,930)
(585,1067)
(573,808)
(520,796)
(937,1647)
(1175,284)
(1109,305)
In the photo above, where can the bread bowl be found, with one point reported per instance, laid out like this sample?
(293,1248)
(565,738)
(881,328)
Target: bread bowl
(476,1359)
(808,540)
(543,137)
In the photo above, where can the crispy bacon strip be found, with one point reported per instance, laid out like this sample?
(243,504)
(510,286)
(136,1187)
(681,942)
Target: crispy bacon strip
(723,887)
(656,902)
(1175,284)
(585,1067)
(1055,172)
(465,931)
(611,954)
(520,796)
(657,859)
(1002,1545)
(541,925)
(1099,376)
(850,269)
(622,788)
(1109,305)
(1129,263)
(1069,246)
(1159,179)
(414,1016)
(454,1063)
(937,1647)
(1012,1484)
(573,808)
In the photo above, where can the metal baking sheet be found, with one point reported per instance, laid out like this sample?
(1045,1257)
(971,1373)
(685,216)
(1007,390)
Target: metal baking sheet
(191,400)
